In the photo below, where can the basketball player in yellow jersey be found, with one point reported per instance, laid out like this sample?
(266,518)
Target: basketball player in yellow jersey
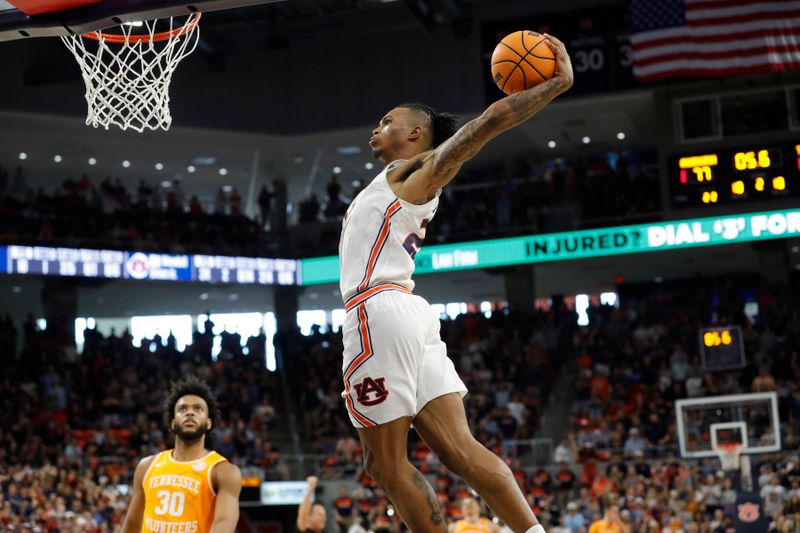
(188,489)
(472,522)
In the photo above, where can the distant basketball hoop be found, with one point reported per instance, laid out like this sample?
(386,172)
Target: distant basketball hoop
(127,73)
(729,455)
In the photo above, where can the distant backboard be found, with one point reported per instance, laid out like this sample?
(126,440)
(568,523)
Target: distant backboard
(747,419)
(90,15)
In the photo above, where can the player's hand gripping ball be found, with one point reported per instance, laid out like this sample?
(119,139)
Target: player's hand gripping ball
(521,60)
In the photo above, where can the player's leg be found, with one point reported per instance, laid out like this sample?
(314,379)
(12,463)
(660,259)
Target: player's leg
(383,343)
(442,424)
(386,460)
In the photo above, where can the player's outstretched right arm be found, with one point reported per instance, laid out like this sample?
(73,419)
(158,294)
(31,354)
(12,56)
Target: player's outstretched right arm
(429,172)
(135,514)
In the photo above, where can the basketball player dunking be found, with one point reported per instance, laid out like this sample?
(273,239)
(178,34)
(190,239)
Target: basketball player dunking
(189,488)
(395,369)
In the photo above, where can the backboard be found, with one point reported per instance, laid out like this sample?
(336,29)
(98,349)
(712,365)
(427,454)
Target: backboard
(22,19)
(749,419)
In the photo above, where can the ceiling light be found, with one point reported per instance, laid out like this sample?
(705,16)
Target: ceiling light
(159,166)
(190,168)
(348,150)
(92,161)
(586,139)
(204,160)
(621,135)
(166,184)
(23,156)
(223,172)
(337,170)
(57,158)
(126,163)
(551,144)
(369,165)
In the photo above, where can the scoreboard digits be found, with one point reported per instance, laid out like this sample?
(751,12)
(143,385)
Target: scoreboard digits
(751,160)
(722,348)
(736,175)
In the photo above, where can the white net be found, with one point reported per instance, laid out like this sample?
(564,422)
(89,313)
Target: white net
(729,456)
(127,75)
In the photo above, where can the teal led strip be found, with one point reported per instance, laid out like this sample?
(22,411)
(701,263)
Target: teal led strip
(672,235)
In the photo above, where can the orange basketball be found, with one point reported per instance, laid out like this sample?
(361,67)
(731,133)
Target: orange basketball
(521,60)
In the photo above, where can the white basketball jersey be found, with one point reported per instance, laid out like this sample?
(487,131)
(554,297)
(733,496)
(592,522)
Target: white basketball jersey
(380,236)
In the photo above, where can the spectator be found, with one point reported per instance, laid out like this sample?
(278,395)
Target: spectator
(611,522)
(265,197)
(472,519)
(311,517)
(634,444)
(565,451)
(773,495)
(309,209)
(763,382)
(573,520)
(333,190)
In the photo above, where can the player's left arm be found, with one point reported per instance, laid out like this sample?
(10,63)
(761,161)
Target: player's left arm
(422,176)
(228,480)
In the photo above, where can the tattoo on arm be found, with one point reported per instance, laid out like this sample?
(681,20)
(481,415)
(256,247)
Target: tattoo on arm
(421,483)
(504,114)
(464,144)
(525,104)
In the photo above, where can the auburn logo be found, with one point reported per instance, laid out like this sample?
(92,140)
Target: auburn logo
(368,387)
(748,512)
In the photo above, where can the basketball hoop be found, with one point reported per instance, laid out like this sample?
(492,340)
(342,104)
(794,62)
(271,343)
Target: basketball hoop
(729,455)
(127,74)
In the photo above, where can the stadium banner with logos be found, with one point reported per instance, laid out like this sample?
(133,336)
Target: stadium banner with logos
(283,492)
(601,242)
(116,264)
(583,244)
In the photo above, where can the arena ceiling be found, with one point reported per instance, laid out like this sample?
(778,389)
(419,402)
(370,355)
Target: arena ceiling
(42,116)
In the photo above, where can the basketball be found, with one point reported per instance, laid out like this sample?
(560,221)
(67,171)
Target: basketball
(522,60)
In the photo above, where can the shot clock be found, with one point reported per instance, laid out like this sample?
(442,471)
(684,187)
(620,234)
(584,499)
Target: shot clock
(738,175)
(721,348)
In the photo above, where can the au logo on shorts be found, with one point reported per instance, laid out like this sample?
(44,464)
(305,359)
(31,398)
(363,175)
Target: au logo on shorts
(367,387)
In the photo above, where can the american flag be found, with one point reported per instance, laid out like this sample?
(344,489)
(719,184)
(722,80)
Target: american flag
(708,38)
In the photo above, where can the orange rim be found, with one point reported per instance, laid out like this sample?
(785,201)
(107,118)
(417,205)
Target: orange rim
(156,37)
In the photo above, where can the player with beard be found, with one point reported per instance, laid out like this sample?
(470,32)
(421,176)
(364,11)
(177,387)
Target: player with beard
(188,489)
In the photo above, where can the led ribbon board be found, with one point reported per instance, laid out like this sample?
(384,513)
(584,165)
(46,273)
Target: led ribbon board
(115,264)
(620,240)
(672,235)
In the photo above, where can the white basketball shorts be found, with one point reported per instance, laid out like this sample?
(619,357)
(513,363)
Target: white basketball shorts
(394,359)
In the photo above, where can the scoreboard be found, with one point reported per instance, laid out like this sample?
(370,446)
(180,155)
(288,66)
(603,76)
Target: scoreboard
(118,264)
(735,175)
(722,348)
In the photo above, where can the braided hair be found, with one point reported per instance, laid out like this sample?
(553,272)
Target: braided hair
(443,125)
